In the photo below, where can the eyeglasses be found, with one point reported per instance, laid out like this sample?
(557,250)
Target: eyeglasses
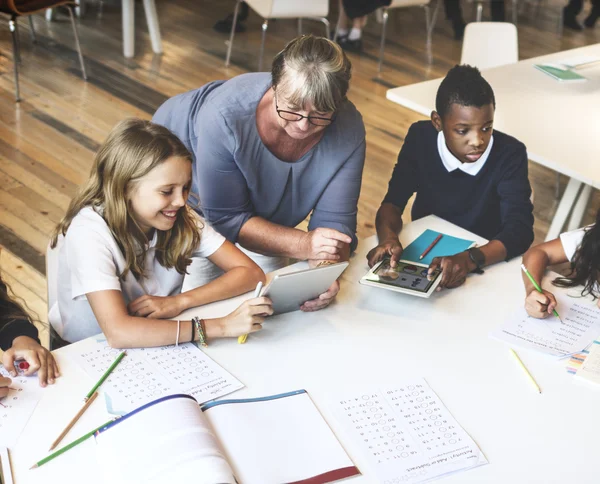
(291,116)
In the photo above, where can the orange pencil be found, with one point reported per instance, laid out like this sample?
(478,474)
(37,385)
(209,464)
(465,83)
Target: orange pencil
(431,246)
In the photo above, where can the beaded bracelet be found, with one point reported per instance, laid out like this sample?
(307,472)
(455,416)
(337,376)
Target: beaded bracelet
(200,331)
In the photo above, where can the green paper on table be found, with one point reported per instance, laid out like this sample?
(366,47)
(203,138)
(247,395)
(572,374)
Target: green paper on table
(447,245)
(560,73)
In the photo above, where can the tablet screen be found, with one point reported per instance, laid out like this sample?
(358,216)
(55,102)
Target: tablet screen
(405,275)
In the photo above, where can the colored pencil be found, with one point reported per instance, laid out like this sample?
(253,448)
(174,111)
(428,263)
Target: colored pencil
(533,382)
(69,446)
(431,246)
(242,338)
(89,398)
(538,288)
(85,406)
(106,374)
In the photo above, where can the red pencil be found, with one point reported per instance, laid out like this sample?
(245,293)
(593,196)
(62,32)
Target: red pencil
(431,246)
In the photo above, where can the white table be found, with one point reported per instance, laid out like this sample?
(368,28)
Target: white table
(558,122)
(372,336)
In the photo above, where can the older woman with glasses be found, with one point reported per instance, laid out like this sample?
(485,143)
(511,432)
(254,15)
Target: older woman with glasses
(270,149)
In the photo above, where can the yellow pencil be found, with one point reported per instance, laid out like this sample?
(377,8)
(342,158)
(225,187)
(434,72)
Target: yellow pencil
(242,338)
(533,382)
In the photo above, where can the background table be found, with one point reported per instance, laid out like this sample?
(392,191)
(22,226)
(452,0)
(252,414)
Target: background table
(371,336)
(558,122)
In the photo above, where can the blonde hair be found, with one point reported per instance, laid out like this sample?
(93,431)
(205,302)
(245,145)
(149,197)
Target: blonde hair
(133,148)
(312,69)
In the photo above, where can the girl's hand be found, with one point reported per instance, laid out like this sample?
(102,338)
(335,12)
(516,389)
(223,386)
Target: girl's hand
(323,300)
(540,305)
(248,318)
(38,357)
(4,383)
(156,307)
(392,249)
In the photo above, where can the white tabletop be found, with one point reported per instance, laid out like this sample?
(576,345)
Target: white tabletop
(371,336)
(558,122)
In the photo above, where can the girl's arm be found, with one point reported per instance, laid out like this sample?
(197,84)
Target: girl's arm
(536,260)
(241,275)
(125,331)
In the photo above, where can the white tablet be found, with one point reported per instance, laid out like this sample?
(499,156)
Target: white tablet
(406,277)
(289,291)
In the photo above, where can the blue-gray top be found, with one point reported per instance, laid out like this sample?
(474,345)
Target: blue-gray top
(236,176)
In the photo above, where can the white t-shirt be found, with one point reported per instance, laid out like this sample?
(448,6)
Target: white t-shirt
(90,260)
(571,241)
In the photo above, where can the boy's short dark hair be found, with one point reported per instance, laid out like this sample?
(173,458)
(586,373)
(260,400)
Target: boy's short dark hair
(465,86)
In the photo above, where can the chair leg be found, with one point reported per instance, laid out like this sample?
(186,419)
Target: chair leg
(299,26)
(12,24)
(561,16)
(428,30)
(18,38)
(49,14)
(479,11)
(325,22)
(233,25)
(384,16)
(32,29)
(77,45)
(128,9)
(265,26)
(153,27)
(337,26)
(515,13)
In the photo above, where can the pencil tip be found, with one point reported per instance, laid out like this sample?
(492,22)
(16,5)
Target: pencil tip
(33,466)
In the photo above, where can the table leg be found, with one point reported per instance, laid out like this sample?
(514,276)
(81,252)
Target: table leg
(564,207)
(153,28)
(128,7)
(580,206)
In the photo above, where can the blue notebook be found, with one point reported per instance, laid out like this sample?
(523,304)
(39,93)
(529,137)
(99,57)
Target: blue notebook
(447,245)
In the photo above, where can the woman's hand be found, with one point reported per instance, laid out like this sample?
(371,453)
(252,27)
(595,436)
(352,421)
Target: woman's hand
(390,248)
(454,269)
(323,300)
(248,318)
(38,357)
(540,305)
(4,383)
(157,307)
(324,244)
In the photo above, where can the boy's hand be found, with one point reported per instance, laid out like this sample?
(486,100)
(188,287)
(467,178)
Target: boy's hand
(540,305)
(38,357)
(454,269)
(323,244)
(388,248)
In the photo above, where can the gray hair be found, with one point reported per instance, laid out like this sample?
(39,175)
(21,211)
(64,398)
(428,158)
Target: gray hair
(312,70)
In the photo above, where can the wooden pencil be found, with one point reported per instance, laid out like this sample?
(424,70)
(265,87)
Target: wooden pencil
(69,426)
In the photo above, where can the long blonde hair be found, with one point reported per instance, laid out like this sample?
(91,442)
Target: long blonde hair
(133,148)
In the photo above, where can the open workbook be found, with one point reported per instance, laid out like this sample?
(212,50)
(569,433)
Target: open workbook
(271,440)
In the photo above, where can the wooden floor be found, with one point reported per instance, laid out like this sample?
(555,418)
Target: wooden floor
(47,142)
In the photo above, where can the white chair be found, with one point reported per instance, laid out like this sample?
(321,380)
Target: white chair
(270,9)
(128,22)
(430,19)
(490,44)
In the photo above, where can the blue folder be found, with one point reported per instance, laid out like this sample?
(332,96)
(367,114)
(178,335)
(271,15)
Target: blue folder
(447,245)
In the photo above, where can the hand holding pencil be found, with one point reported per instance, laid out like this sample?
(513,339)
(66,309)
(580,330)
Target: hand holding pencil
(539,303)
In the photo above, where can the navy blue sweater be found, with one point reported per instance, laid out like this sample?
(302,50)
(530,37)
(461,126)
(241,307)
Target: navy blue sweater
(494,204)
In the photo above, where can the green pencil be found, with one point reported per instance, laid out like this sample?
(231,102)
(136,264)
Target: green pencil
(106,374)
(69,446)
(537,287)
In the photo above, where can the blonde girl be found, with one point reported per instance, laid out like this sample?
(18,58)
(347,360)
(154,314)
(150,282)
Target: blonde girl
(126,241)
